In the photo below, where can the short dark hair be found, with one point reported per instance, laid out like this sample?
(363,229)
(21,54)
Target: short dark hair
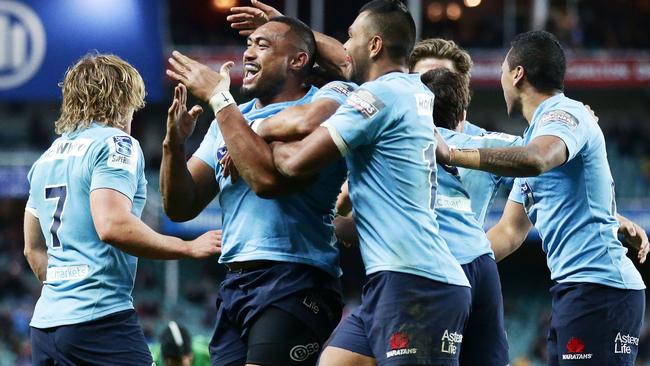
(175,341)
(394,23)
(303,34)
(452,96)
(542,57)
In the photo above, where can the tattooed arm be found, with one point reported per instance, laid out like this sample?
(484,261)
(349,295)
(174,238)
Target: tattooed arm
(539,156)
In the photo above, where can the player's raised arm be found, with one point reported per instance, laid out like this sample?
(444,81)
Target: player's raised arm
(186,186)
(511,230)
(116,225)
(35,247)
(330,53)
(249,152)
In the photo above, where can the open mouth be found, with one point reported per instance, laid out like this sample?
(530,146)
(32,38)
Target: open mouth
(250,71)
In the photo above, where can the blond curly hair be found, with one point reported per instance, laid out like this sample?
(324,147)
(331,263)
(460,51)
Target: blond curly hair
(442,49)
(99,88)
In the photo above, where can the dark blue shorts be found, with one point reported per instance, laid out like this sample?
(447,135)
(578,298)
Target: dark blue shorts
(116,339)
(484,342)
(406,319)
(310,295)
(594,325)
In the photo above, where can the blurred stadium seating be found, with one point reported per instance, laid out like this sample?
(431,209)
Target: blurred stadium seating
(609,53)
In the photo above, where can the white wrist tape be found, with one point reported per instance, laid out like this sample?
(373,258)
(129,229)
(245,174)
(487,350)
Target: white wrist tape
(220,101)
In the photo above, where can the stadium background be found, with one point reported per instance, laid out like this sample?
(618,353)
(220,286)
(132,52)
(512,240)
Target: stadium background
(608,48)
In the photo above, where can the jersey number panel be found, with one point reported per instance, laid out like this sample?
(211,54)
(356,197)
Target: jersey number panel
(59,193)
(430,159)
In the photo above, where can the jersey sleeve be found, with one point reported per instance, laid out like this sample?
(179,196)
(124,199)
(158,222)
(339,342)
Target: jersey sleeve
(207,151)
(362,119)
(336,90)
(564,125)
(118,164)
(515,192)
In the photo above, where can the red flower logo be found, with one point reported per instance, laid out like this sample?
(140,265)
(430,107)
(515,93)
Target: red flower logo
(575,345)
(399,340)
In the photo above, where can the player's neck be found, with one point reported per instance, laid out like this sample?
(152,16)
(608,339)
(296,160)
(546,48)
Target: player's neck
(289,92)
(383,67)
(531,100)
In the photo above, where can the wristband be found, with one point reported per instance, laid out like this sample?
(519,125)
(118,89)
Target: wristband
(220,101)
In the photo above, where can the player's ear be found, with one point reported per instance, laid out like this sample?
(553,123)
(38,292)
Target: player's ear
(518,74)
(375,46)
(299,61)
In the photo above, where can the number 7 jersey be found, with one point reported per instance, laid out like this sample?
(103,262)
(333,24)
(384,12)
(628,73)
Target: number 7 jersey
(86,278)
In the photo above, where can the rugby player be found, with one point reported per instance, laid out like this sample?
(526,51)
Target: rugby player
(566,190)
(83,231)
(386,133)
(280,299)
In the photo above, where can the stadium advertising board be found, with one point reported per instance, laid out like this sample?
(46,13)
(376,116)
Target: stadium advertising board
(40,39)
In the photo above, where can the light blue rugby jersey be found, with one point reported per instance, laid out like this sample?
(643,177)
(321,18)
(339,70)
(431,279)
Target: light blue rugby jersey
(573,206)
(296,228)
(86,278)
(385,130)
(458,223)
(481,186)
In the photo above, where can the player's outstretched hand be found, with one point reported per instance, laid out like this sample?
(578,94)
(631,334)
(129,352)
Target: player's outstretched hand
(206,245)
(249,18)
(229,168)
(180,121)
(636,237)
(200,79)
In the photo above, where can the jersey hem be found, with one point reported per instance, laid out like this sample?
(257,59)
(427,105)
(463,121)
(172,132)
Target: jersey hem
(472,258)
(613,284)
(71,321)
(273,256)
(421,273)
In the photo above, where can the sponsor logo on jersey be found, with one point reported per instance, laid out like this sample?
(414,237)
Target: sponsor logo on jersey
(527,194)
(575,349)
(454,203)
(450,342)
(221,152)
(123,145)
(623,343)
(399,345)
(67,273)
(301,352)
(365,102)
(424,104)
(339,87)
(121,153)
(558,115)
(63,149)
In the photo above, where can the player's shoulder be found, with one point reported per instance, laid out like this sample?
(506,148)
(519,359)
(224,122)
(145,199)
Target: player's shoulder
(497,139)
(336,90)
(338,86)
(569,111)
(472,129)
